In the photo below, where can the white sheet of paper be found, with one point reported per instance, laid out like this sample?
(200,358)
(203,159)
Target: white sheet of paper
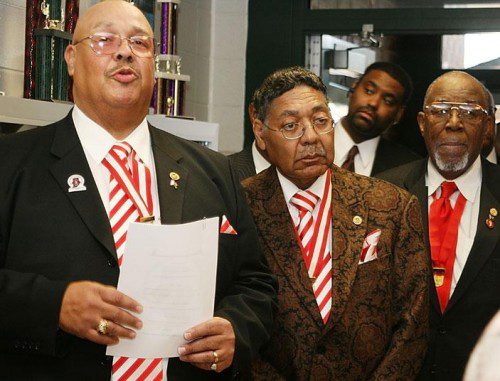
(171,270)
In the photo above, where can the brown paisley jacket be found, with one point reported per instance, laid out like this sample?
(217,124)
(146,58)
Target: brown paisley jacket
(378,325)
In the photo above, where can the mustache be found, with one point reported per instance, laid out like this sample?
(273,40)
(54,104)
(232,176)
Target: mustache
(116,69)
(311,150)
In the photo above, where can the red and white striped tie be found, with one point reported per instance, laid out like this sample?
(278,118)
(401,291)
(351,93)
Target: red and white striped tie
(129,198)
(313,236)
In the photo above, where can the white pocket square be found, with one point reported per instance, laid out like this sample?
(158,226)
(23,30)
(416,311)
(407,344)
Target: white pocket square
(369,251)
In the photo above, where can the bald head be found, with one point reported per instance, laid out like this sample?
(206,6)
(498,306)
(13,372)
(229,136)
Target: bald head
(458,79)
(92,18)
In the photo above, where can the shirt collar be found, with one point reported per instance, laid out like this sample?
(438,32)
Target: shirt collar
(343,143)
(467,183)
(97,141)
(492,156)
(258,160)
(289,188)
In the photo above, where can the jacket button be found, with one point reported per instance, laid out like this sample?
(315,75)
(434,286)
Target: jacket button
(434,368)
(106,360)
(111,263)
(442,330)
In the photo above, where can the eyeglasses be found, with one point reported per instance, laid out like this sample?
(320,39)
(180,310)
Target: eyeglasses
(292,131)
(104,44)
(468,111)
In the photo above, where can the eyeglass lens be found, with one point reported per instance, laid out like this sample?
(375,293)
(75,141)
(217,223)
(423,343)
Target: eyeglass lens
(106,43)
(465,110)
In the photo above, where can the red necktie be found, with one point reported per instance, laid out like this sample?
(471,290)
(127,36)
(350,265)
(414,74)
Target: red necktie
(443,234)
(349,161)
(129,199)
(313,238)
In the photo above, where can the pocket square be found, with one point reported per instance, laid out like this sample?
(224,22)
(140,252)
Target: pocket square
(225,226)
(369,251)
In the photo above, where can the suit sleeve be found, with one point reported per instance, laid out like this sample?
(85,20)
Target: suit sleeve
(410,307)
(250,302)
(29,302)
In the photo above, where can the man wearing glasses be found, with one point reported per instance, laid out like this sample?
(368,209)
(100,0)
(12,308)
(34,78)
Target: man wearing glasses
(459,194)
(348,250)
(68,193)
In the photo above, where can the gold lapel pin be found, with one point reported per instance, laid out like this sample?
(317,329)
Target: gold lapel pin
(490,221)
(357,220)
(174,177)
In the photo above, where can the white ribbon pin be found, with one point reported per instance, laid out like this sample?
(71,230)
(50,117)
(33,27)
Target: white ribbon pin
(76,183)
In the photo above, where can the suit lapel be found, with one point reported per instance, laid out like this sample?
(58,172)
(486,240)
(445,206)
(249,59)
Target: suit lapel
(88,204)
(382,158)
(347,242)
(485,240)
(167,162)
(416,185)
(281,239)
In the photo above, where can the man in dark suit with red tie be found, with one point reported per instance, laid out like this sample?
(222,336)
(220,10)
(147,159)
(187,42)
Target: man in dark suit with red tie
(69,191)
(459,193)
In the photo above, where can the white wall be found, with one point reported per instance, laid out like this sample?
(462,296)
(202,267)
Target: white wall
(12,25)
(212,43)
(212,38)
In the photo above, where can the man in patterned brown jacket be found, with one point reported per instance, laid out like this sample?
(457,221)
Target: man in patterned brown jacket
(348,250)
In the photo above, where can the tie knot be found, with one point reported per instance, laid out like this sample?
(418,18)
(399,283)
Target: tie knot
(447,189)
(304,200)
(122,149)
(352,152)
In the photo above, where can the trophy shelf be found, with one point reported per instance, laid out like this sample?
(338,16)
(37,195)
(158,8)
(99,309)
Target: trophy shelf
(30,111)
(40,113)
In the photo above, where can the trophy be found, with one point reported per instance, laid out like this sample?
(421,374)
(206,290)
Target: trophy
(168,96)
(46,75)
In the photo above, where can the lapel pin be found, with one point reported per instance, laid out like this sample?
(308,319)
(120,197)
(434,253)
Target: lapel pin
(357,220)
(490,221)
(174,177)
(76,183)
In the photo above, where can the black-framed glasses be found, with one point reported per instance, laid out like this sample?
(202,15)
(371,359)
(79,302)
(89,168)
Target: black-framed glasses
(467,111)
(292,131)
(104,44)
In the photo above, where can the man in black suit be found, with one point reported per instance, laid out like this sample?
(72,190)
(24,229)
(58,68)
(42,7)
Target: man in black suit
(58,253)
(251,159)
(377,101)
(465,248)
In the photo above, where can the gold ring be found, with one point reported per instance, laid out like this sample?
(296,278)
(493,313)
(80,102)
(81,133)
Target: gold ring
(216,357)
(102,327)
(213,367)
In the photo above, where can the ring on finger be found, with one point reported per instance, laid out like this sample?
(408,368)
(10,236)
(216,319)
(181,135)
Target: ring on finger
(216,357)
(102,327)
(213,367)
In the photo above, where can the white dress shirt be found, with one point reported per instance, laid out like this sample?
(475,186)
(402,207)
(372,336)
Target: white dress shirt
(469,185)
(97,142)
(363,161)
(289,190)
(258,160)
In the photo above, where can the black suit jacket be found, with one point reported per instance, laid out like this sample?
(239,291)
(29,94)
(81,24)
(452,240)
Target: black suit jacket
(243,163)
(476,298)
(50,237)
(389,155)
